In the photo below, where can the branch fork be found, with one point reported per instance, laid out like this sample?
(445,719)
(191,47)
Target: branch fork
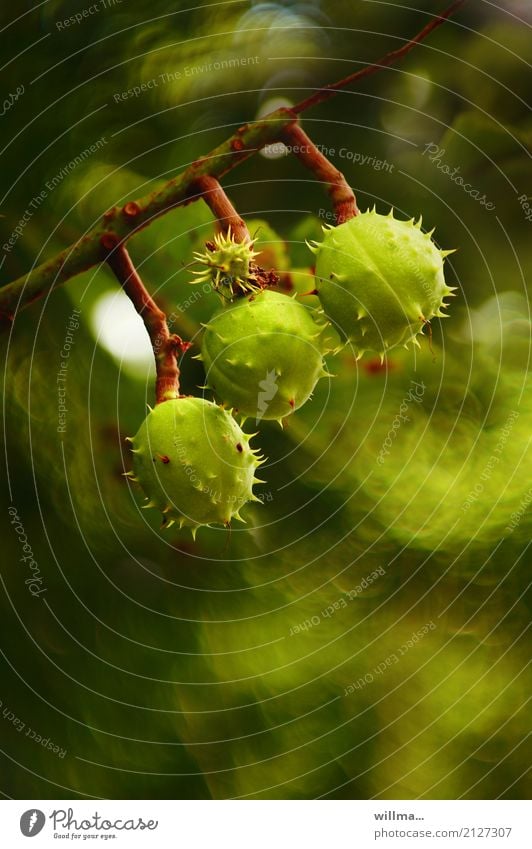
(106,241)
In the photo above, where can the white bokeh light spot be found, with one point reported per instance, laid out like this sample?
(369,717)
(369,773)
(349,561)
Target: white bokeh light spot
(120,330)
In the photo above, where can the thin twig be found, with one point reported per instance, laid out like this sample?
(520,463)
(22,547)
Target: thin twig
(165,345)
(211,191)
(342,195)
(331,90)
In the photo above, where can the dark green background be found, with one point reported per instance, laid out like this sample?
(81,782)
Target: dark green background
(164,667)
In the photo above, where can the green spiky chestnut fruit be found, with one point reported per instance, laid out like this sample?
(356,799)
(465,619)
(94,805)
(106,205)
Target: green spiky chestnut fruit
(227,265)
(194,463)
(263,355)
(380,280)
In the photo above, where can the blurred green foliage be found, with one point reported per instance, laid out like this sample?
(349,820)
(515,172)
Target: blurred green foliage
(167,668)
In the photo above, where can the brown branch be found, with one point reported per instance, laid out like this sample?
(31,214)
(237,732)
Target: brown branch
(216,199)
(120,223)
(331,90)
(342,195)
(165,345)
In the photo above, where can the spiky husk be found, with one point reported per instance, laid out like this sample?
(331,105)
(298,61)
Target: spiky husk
(380,280)
(227,266)
(194,463)
(263,355)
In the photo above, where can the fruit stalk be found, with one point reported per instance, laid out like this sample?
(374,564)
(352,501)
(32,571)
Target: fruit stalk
(165,345)
(342,195)
(211,191)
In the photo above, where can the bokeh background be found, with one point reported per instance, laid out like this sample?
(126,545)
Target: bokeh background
(259,662)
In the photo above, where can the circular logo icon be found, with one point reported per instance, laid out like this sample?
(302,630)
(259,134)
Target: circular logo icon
(32,822)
